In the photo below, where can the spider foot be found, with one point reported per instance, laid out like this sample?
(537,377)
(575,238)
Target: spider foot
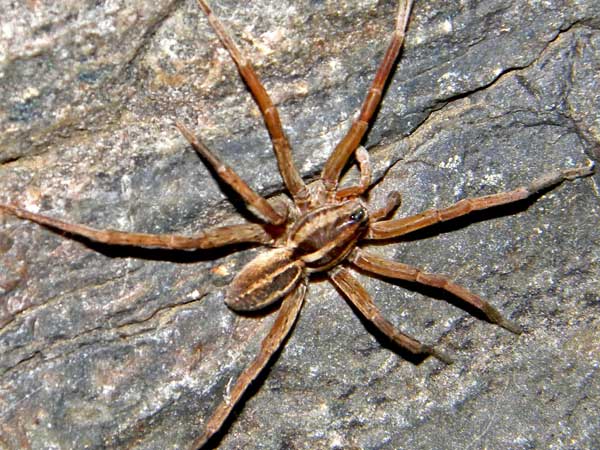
(437,354)
(553,178)
(581,171)
(510,326)
(494,316)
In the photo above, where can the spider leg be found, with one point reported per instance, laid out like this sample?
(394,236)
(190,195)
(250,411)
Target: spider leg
(261,207)
(393,269)
(393,202)
(286,317)
(343,151)
(361,299)
(392,228)
(212,238)
(281,146)
(364,163)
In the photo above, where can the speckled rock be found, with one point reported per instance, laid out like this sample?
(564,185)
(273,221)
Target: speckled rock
(105,347)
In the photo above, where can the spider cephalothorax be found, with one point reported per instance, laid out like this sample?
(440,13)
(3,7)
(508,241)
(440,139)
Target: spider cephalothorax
(318,230)
(316,242)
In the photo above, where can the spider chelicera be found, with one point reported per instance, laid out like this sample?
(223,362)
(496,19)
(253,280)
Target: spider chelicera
(318,230)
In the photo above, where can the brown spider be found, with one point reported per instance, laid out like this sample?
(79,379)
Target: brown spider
(318,230)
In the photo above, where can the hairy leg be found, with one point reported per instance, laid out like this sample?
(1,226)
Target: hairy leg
(360,298)
(364,163)
(212,238)
(286,317)
(393,202)
(393,269)
(338,159)
(393,228)
(281,146)
(261,207)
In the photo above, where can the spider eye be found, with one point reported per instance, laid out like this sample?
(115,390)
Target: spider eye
(358,215)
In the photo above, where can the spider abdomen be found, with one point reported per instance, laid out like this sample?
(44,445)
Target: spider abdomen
(264,280)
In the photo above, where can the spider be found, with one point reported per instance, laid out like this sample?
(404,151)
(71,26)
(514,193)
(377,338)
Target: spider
(317,230)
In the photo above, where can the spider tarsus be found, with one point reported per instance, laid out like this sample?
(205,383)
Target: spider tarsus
(437,354)
(510,326)
(393,201)
(581,171)
(554,178)
(496,317)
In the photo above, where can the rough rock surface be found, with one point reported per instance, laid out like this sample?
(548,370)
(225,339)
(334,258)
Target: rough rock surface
(120,348)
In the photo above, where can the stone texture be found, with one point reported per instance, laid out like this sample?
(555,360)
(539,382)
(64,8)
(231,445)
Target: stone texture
(119,348)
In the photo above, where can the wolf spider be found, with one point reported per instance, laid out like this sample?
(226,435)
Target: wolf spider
(318,230)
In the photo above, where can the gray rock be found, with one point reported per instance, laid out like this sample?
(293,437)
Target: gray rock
(117,348)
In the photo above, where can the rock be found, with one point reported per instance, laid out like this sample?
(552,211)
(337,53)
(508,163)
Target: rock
(120,348)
